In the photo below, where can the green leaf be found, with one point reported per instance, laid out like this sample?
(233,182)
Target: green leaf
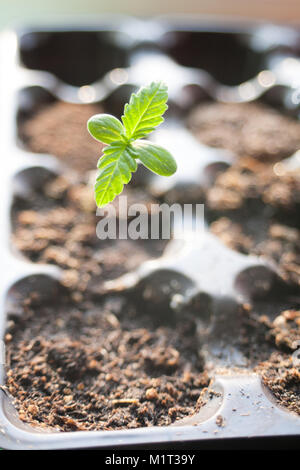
(116,167)
(105,128)
(141,116)
(155,158)
(144,111)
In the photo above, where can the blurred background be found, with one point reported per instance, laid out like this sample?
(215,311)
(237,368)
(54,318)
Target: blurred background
(16,11)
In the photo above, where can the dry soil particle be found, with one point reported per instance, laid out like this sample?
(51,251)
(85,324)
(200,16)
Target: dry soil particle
(284,330)
(282,377)
(88,366)
(249,180)
(60,130)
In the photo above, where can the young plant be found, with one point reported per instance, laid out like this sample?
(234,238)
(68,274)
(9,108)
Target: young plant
(124,147)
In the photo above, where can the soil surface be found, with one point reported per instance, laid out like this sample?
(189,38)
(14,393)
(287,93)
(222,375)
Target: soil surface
(57,225)
(84,366)
(88,362)
(248,129)
(60,129)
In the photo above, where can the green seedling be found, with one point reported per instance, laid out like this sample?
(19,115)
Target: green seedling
(124,147)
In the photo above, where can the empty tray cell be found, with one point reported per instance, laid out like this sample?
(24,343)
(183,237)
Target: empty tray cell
(76,57)
(226,56)
(41,118)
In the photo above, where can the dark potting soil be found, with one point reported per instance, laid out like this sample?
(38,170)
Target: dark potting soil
(248,129)
(87,365)
(137,369)
(278,243)
(93,364)
(282,379)
(58,226)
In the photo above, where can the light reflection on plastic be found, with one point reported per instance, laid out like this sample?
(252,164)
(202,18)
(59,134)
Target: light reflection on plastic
(279,169)
(296,96)
(86,94)
(266,78)
(291,70)
(291,164)
(247,91)
(155,66)
(118,76)
(291,62)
